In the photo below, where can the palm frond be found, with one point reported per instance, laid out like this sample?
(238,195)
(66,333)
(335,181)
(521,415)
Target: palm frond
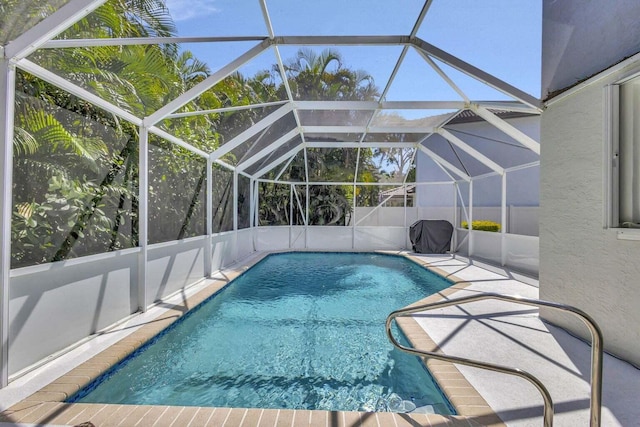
(46,129)
(24,143)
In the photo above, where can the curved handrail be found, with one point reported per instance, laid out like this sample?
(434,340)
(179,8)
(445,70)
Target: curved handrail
(596,349)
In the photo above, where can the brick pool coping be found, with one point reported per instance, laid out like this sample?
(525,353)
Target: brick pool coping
(47,405)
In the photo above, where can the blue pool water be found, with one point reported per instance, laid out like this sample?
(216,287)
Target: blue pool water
(296,331)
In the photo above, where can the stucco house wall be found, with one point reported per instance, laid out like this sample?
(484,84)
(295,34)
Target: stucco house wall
(583,262)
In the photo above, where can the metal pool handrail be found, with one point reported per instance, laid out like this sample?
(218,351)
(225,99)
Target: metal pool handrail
(596,349)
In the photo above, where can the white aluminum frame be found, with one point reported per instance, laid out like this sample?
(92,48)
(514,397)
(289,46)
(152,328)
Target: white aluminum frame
(252,131)
(507,128)
(471,151)
(382,105)
(365,129)
(56,80)
(291,153)
(269,149)
(40,36)
(355,144)
(224,110)
(477,73)
(208,269)
(284,168)
(503,221)
(444,163)
(206,84)
(7,94)
(143,220)
(130,41)
(50,27)
(444,76)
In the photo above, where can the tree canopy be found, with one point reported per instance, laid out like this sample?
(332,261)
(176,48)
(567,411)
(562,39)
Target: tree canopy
(76,166)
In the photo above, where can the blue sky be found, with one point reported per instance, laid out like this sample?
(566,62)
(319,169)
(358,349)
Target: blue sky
(502,37)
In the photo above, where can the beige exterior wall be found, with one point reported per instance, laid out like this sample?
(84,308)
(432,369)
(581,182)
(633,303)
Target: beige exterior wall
(582,263)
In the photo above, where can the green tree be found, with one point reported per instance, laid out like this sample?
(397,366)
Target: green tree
(75,168)
(84,199)
(323,76)
(398,162)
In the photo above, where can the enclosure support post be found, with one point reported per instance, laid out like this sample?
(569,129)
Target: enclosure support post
(208,269)
(306,209)
(256,204)
(456,221)
(353,215)
(503,220)
(235,200)
(7,97)
(235,212)
(470,225)
(404,221)
(306,224)
(406,230)
(290,212)
(251,204)
(252,208)
(143,215)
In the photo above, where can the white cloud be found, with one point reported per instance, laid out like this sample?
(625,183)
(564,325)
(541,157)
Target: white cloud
(183,10)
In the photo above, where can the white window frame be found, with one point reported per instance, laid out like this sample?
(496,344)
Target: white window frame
(612,161)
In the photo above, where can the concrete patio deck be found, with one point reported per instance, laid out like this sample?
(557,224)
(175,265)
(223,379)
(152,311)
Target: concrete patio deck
(513,335)
(491,331)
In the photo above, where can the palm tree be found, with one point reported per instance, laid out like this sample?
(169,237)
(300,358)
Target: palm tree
(125,18)
(19,16)
(322,76)
(75,169)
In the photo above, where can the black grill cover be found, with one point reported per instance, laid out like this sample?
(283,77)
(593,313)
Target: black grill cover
(431,236)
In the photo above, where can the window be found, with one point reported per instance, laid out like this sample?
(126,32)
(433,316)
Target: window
(629,154)
(625,154)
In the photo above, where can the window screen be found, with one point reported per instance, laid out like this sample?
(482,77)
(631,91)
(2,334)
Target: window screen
(629,155)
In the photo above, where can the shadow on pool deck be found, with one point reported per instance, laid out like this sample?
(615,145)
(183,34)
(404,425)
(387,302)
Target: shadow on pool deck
(490,331)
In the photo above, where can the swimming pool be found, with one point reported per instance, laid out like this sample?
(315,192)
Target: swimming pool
(296,331)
